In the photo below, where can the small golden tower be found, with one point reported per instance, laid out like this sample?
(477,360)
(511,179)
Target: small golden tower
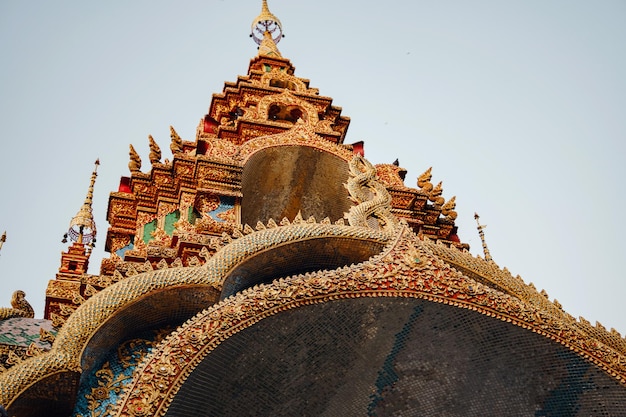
(66,292)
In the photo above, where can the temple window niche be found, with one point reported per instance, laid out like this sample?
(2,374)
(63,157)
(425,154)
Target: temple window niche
(284,112)
(148,229)
(166,223)
(169,221)
(289,85)
(193,215)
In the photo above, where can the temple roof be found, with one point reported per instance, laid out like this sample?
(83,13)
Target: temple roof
(267,229)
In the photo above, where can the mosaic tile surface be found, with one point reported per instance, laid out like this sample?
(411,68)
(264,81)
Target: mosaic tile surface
(20,331)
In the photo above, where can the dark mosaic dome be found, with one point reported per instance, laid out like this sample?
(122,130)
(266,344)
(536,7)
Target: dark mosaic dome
(394,357)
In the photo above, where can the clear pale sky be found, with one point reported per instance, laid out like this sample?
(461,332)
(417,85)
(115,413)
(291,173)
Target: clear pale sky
(519,107)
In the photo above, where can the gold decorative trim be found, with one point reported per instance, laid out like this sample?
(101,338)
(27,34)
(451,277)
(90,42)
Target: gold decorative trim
(276,74)
(302,134)
(490,273)
(408,269)
(84,323)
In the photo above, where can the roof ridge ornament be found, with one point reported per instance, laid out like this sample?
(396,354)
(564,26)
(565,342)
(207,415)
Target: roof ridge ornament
(3,239)
(481,227)
(82,226)
(266,31)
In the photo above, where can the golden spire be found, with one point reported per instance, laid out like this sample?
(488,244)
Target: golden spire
(481,227)
(83,227)
(267,31)
(268,47)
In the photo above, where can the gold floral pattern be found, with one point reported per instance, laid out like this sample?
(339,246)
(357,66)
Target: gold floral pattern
(113,375)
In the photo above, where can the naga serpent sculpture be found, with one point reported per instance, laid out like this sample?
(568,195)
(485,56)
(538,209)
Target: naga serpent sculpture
(372,198)
(21,307)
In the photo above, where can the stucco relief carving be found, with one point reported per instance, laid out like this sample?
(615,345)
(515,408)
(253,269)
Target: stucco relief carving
(409,269)
(281,79)
(286,98)
(301,134)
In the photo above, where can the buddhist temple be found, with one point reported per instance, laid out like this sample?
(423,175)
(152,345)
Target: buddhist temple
(268,268)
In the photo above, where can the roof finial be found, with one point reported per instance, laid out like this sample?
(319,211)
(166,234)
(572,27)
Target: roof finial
(83,227)
(481,227)
(267,31)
